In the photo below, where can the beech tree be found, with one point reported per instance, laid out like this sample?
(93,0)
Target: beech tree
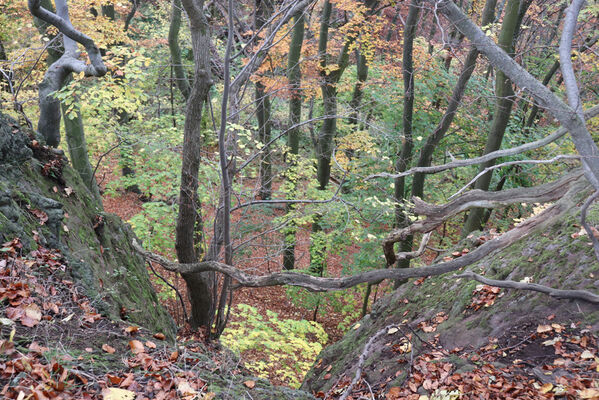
(562,191)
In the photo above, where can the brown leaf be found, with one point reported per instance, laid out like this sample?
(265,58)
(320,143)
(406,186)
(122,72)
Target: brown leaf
(250,384)
(131,329)
(159,336)
(136,346)
(174,356)
(150,344)
(107,348)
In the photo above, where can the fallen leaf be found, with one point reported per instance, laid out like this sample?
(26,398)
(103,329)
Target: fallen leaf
(174,356)
(544,328)
(586,355)
(546,388)
(185,389)
(588,393)
(136,346)
(150,344)
(107,348)
(250,384)
(117,394)
(159,336)
(131,329)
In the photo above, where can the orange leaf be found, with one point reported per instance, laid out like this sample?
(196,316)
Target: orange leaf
(250,384)
(159,336)
(131,329)
(107,348)
(136,346)
(150,345)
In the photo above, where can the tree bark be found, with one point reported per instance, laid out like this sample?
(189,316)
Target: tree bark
(295,113)
(262,14)
(405,155)
(199,285)
(503,109)
(173,46)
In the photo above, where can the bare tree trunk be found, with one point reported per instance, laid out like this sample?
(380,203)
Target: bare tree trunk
(199,285)
(503,110)
(294,76)
(405,155)
(262,13)
(173,46)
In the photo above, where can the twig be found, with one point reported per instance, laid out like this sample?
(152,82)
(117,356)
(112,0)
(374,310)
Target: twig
(516,162)
(556,293)
(91,181)
(585,224)
(526,339)
(362,359)
(588,114)
(172,287)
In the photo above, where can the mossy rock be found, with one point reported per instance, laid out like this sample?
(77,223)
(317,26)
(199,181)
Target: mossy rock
(96,245)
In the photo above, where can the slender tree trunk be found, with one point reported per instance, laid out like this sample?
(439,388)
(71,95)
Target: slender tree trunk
(356,100)
(426,154)
(262,14)
(501,115)
(173,46)
(199,285)
(405,155)
(295,112)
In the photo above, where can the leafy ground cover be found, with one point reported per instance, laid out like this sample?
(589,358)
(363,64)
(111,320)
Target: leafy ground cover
(57,346)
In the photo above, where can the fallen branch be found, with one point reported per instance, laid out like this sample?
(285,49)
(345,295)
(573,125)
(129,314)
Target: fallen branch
(437,214)
(362,360)
(515,162)
(557,293)
(318,284)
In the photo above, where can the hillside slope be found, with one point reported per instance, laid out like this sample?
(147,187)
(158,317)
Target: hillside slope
(460,325)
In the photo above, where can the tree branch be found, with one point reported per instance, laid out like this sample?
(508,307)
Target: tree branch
(588,114)
(318,284)
(437,214)
(557,293)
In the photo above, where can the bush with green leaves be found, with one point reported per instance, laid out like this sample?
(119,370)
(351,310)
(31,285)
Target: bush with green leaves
(288,346)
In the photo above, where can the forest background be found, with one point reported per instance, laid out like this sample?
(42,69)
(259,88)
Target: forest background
(272,136)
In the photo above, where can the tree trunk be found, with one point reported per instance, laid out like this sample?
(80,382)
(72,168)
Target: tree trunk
(405,156)
(501,115)
(262,14)
(426,154)
(295,113)
(199,285)
(175,50)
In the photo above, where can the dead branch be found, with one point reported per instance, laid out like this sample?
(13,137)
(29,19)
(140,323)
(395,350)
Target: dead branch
(516,162)
(318,284)
(362,360)
(437,214)
(557,293)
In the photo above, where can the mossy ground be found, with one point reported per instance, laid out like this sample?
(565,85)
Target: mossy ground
(552,255)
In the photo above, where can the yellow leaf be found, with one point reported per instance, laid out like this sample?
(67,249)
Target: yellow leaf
(587,355)
(391,331)
(117,394)
(546,388)
(588,393)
